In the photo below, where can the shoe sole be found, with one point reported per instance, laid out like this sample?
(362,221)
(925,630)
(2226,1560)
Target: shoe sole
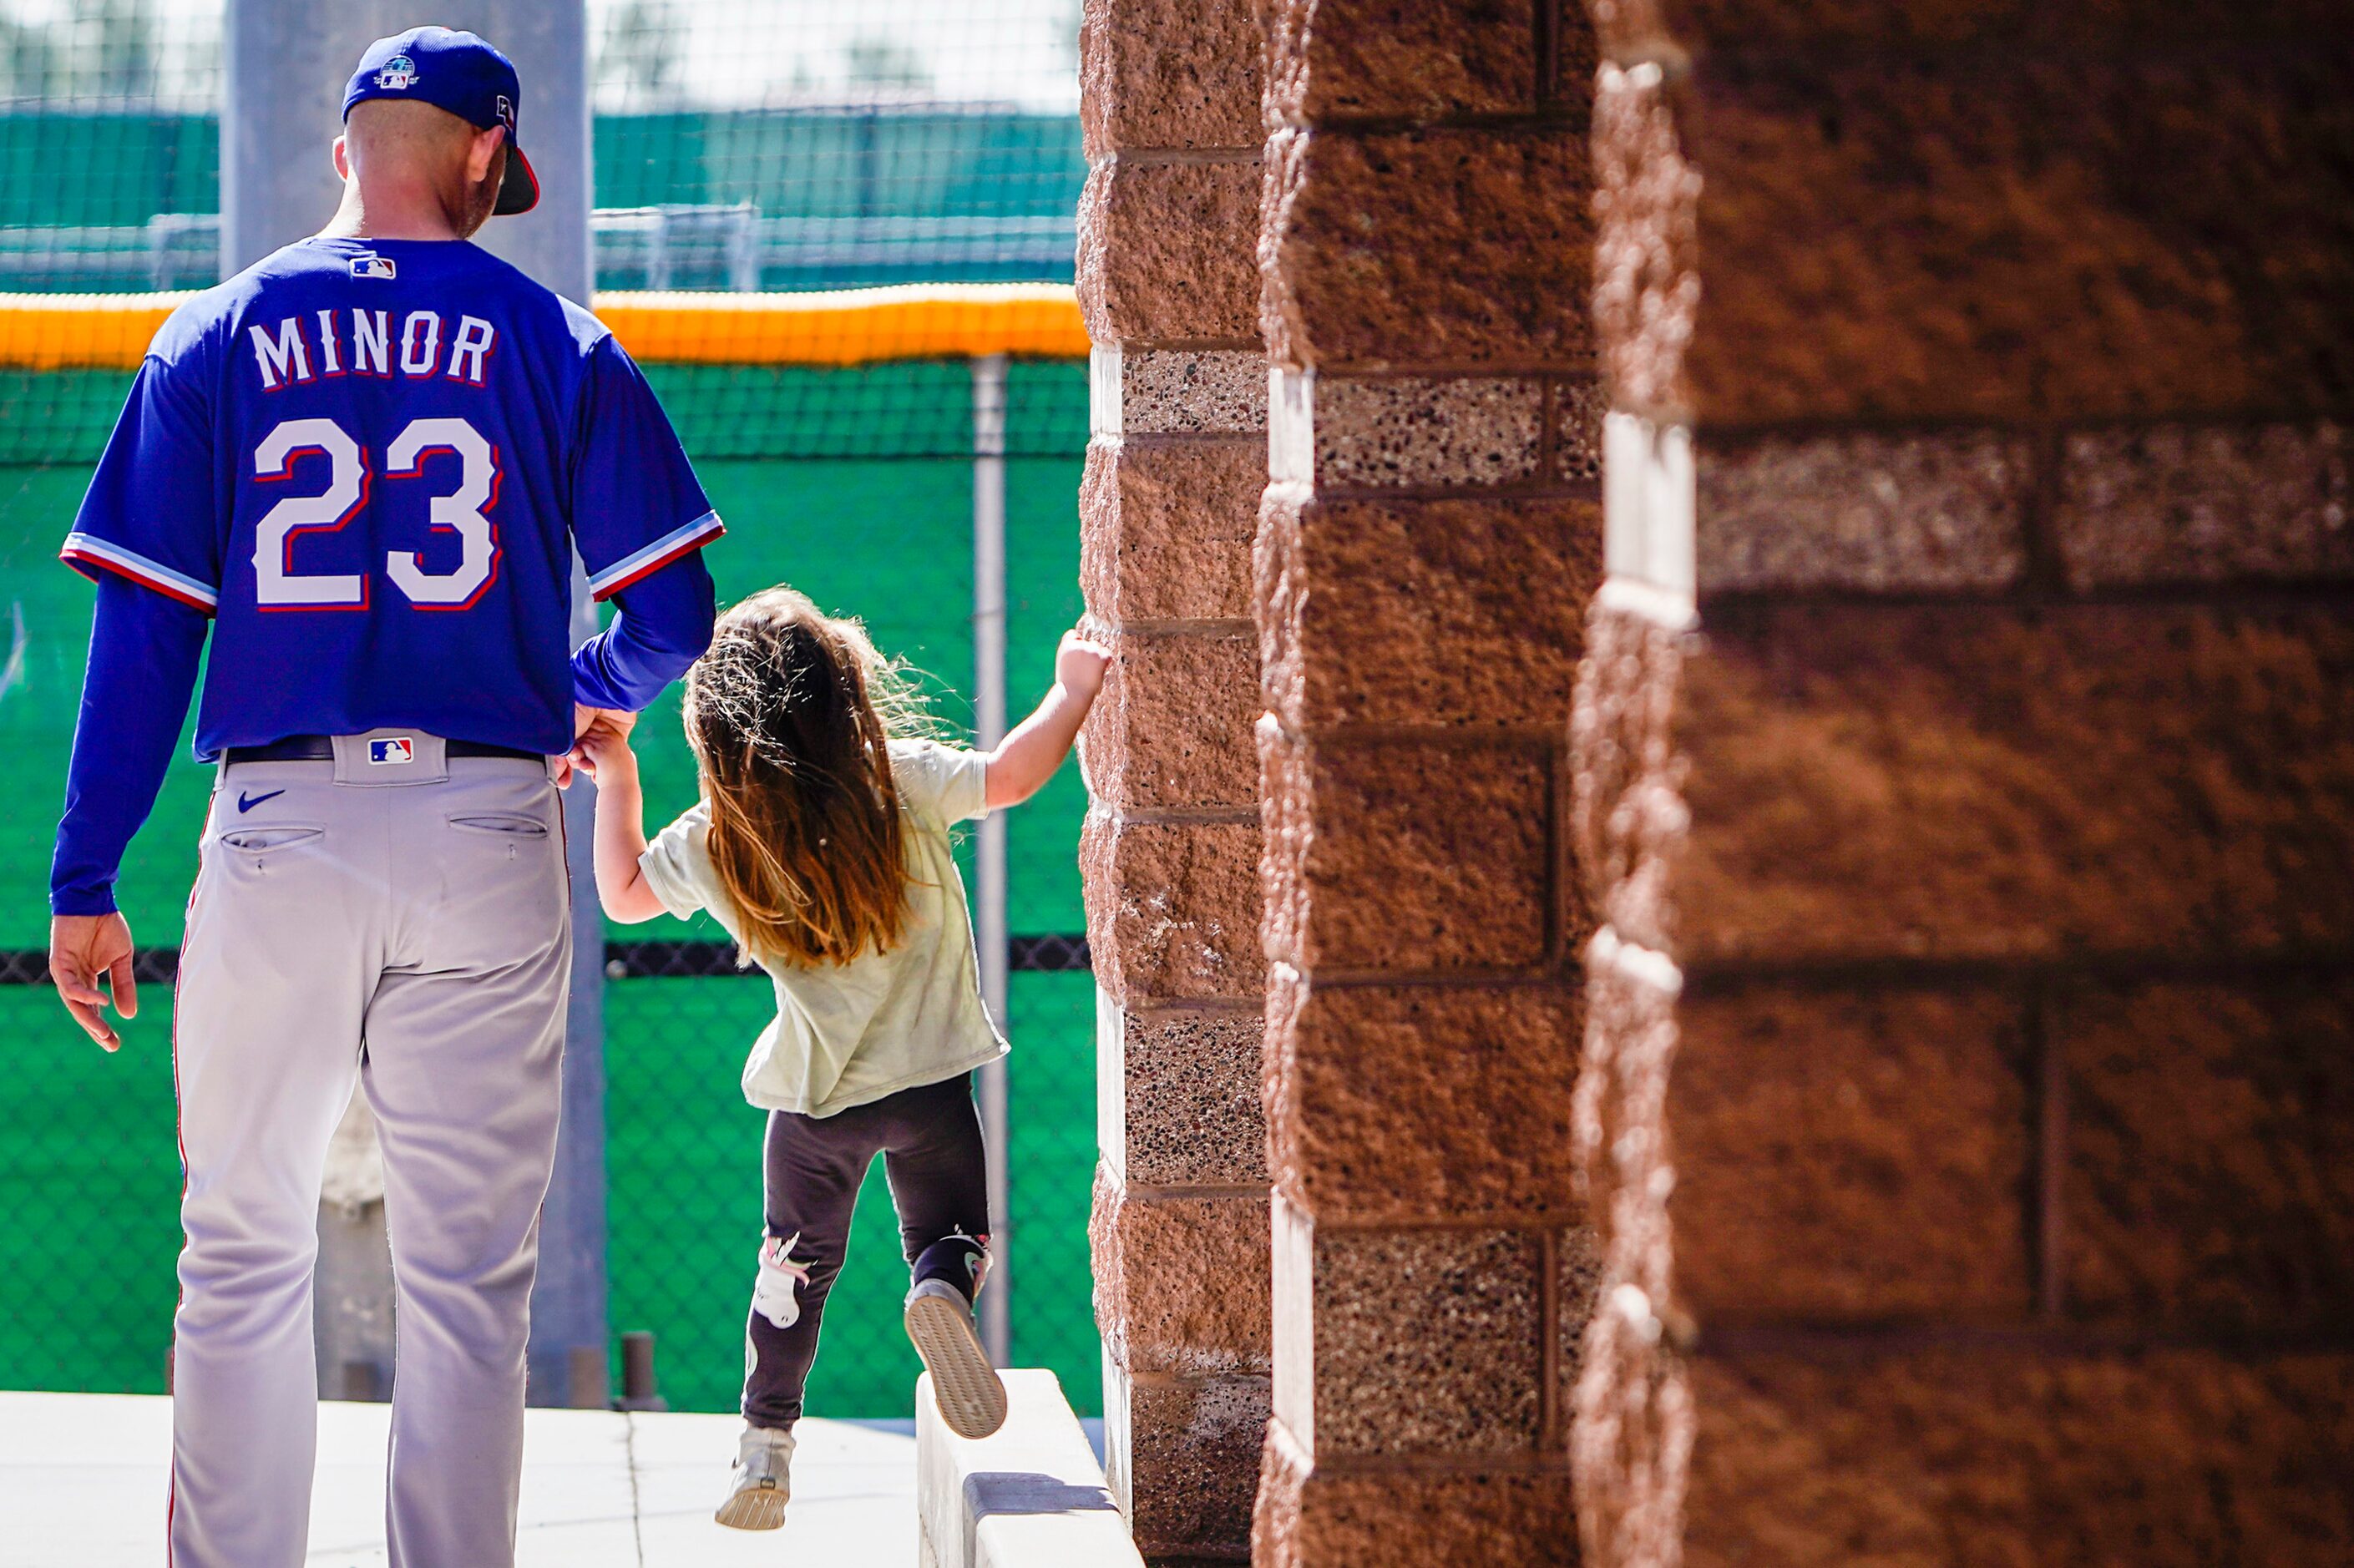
(754,1508)
(968,1390)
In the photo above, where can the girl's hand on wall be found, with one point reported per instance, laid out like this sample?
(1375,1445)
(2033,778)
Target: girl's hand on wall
(1080,665)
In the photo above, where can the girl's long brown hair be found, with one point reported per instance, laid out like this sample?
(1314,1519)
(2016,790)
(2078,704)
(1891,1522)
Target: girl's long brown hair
(791,714)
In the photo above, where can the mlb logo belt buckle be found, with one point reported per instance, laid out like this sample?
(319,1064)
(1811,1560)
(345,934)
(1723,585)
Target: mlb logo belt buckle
(392,751)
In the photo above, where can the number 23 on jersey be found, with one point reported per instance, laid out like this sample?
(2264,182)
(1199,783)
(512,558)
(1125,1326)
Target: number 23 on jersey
(462,512)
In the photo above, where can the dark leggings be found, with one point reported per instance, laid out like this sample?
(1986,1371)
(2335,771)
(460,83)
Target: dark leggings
(929,1139)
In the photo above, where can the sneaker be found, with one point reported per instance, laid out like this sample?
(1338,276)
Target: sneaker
(756,1498)
(966,1387)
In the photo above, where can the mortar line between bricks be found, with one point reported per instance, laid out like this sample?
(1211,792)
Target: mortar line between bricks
(1817,1342)
(1539,489)
(1373,1221)
(1562,975)
(1557,119)
(1707,978)
(1117,446)
(1528,1461)
(2179,593)
(1252,1006)
(1150,1378)
(2000,49)
(1151,1003)
(1224,628)
(1176,157)
(1158,438)
(1371,732)
(1255,434)
(1183,816)
(1250,345)
(1740,433)
(1163,1190)
(1550,370)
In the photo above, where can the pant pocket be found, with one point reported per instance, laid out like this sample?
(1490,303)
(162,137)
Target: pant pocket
(501,825)
(264,841)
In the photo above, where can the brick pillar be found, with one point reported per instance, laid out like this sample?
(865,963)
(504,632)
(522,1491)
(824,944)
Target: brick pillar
(1427,542)
(1170,106)
(1979,936)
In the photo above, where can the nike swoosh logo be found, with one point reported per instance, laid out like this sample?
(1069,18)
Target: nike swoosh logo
(248,802)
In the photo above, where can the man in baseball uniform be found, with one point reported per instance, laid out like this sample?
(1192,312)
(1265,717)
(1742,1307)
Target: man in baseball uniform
(366,461)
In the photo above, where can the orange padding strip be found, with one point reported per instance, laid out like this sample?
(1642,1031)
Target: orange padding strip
(855,326)
(852,326)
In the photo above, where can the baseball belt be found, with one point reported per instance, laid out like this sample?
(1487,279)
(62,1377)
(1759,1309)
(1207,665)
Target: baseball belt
(322,749)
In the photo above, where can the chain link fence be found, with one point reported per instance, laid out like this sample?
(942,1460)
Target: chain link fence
(893,144)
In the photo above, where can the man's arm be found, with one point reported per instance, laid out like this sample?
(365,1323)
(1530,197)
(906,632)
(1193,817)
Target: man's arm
(641,520)
(144,651)
(663,625)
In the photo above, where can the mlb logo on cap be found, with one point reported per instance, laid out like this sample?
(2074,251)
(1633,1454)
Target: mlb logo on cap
(399,748)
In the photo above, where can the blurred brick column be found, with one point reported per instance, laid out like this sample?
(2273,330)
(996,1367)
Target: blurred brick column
(1170,106)
(1427,543)
(1980,931)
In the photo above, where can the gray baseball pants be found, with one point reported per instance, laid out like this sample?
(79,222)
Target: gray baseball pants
(407,924)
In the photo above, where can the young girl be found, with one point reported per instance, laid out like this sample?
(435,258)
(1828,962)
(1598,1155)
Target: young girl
(821,845)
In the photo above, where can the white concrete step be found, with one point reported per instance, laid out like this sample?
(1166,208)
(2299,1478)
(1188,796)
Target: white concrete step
(1031,1496)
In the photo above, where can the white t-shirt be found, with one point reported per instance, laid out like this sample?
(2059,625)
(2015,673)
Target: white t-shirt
(848,1034)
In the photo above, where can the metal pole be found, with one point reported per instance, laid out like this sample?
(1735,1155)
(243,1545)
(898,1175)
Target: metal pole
(548,41)
(990,934)
(286,62)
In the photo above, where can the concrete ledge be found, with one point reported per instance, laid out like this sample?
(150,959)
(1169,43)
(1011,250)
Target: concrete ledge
(1031,1496)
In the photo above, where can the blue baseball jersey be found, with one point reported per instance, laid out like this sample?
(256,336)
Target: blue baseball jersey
(369,461)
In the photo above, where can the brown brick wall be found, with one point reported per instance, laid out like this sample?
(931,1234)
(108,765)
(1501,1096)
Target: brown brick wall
(1926,1455)
(1168,225)
(1964,1080)
(1431,531)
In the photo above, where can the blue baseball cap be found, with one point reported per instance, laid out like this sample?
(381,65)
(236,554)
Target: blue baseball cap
(460,73)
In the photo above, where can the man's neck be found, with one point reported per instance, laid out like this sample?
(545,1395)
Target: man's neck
(389,214)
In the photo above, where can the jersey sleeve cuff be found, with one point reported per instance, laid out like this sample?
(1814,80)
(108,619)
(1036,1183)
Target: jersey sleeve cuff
(98,900)
(88,554)
(644,563)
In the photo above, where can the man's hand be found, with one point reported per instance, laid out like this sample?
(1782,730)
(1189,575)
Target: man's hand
(81,949)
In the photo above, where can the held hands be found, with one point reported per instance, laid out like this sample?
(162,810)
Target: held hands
(1080,665)
(617,721)
(81,949)
(603,752)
